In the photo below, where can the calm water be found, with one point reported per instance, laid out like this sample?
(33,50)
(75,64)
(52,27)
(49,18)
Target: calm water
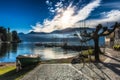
(9,52)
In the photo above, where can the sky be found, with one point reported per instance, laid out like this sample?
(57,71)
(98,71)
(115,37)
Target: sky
(49,15)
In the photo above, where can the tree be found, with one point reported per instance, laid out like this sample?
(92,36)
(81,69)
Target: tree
(9,35)
(3,34)
(94,35)
(15,37)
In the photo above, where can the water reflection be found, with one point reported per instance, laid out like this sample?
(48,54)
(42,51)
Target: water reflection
(6,48)
(54,53)
(9,52)
(14,47)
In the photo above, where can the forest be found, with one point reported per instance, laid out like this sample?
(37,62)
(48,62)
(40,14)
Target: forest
(8,36)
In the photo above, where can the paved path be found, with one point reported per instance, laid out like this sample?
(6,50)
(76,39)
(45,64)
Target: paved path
(109,70)
(56,72)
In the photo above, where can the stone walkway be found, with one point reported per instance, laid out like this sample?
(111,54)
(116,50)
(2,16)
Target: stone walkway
(109,70)
(56,72)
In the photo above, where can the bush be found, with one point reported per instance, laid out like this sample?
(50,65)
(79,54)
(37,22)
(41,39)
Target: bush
(88,52)
(116,47)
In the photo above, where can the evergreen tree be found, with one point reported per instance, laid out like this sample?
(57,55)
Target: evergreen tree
(3,33)
(15,36)
(7,36)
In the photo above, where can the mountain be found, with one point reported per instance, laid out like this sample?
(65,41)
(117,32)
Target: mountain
(56,36)
(32,32)
(67,30)
(48,37)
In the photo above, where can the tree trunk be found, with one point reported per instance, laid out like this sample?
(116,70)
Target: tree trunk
(96,49)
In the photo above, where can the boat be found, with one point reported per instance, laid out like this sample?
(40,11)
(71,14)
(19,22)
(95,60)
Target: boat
(25,60)
(39,44)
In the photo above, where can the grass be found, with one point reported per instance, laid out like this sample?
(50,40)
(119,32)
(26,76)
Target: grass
(116,47)
(6,69)
(8,72)
(87,52)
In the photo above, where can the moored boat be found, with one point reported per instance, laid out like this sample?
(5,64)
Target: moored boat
(39,44)
(28,59)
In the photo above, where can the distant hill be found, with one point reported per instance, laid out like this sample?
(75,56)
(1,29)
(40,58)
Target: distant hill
(68,30)
(48,37)
(32,32)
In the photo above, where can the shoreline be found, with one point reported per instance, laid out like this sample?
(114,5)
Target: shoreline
(55,61)
(2,64)
(41,62)
(61,60)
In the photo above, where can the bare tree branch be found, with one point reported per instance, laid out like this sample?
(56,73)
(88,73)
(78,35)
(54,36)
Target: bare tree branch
(103,31)
(98,28)
(110,31)
(85,40)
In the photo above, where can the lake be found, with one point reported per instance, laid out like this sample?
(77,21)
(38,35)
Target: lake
(9,52)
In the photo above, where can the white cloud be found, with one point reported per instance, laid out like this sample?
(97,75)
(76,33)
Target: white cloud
(85,12)
(37,28)
(59,4)
(65,18)
(111,16)
(48,3)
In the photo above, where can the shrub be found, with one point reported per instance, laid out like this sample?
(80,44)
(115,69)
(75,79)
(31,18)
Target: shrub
(116,47)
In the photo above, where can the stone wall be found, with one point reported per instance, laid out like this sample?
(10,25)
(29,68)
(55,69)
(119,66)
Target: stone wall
(117,36)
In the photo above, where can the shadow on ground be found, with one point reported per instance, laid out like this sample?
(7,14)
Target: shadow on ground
(114,67)
(13,75)
(112,58)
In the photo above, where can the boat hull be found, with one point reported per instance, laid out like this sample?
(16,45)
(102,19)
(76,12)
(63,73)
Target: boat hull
(25,61)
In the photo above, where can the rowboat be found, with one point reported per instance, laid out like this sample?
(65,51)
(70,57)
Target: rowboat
(39,44)
(25,60)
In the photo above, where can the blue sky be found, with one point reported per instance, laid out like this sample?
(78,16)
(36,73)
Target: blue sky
(49,15)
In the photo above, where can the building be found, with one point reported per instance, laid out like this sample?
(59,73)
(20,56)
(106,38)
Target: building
(117,36)
(109,40)
(113,38)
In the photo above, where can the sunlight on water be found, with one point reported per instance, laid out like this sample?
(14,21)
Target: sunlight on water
(53,53)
